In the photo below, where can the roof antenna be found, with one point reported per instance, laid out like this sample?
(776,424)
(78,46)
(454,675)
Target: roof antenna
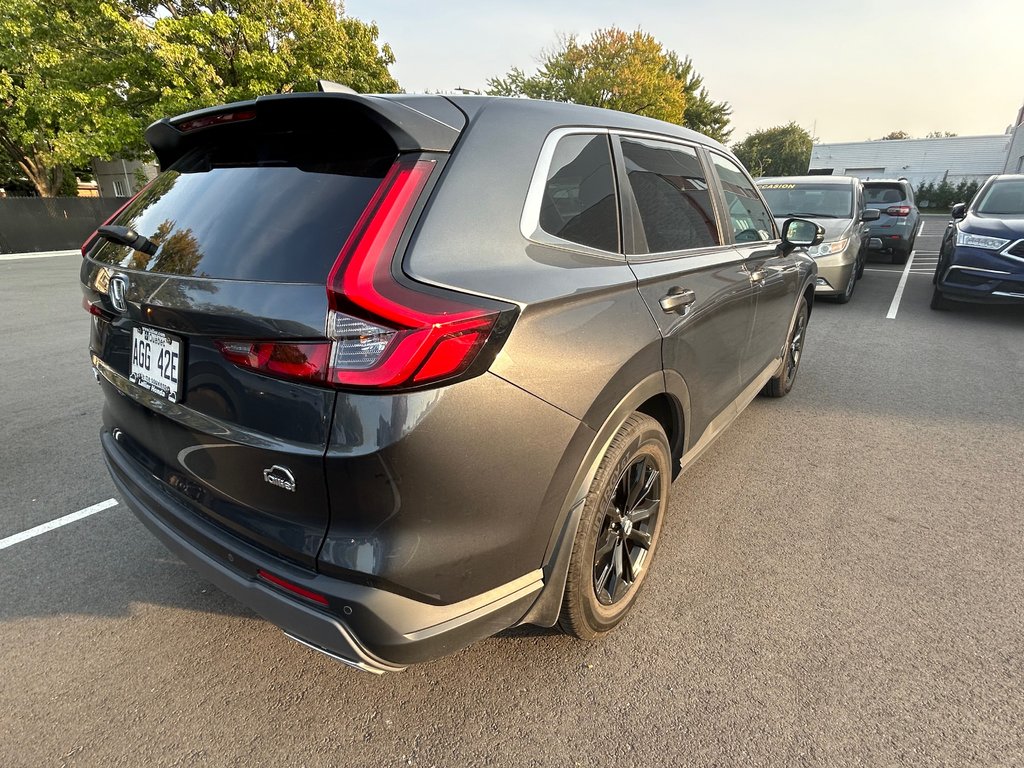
(327,86)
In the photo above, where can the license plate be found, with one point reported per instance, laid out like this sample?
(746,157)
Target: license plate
(156,362)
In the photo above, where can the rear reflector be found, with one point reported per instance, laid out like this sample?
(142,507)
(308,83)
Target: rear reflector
(306,361)
(316,597)
(898,210)
(385,334)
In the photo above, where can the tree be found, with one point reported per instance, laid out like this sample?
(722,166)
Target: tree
(784,150)
(893,135)
(628,71)
(81,79)
(700,113)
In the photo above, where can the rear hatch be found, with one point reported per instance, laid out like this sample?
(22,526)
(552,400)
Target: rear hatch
(889,200)
(210,328)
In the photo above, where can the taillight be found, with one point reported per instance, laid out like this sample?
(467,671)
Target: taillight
(385,334)
(306,361)
(898,210)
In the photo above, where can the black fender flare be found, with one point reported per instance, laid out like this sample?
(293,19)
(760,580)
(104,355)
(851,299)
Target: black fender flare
(545,610)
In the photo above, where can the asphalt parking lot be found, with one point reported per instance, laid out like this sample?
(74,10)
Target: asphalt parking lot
(840,582)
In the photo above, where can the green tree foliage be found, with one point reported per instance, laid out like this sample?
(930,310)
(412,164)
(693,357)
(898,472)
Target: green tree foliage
(945,195)
(893,135)
(628,71)
(784,150)
(80,79)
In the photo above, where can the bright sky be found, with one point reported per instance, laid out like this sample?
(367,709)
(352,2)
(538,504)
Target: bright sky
(846,71)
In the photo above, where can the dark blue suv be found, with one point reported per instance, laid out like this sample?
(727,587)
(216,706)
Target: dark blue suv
(982,254)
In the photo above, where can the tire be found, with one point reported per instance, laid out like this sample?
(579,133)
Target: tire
(780,385)
(847,294)
(901,254)
(860,267)
(939,301)
(638,451)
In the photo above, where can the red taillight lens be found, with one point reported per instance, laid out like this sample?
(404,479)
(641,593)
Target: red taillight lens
(205,122)
(385,334)
(95,309)
(309,594)
(898,210)
(291,360)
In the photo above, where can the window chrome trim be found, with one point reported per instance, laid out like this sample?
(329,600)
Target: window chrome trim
(529,222)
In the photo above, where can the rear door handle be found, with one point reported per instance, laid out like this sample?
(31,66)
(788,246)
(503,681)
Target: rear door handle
(678,300)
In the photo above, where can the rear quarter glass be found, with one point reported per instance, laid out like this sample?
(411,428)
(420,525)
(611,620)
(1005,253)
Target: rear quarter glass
(274,207)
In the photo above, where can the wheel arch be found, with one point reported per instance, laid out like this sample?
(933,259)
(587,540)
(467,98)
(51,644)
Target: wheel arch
(663,395)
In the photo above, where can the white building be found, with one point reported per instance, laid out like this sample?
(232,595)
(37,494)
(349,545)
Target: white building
(122,178)
(956,158)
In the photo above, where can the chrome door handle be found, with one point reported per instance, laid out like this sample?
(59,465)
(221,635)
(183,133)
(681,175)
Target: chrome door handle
(678,300)
(758,276)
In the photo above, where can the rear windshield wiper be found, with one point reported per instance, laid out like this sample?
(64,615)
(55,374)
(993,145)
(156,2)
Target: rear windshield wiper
(129,237)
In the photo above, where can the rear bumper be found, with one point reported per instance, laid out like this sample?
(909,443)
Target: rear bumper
(366,627)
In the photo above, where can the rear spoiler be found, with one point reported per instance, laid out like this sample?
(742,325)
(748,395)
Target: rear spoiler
(410,129)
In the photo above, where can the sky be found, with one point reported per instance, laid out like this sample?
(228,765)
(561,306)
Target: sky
(845,71)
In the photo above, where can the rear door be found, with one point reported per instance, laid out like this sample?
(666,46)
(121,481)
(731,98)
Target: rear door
(774,276)
(243,229)
(695,285)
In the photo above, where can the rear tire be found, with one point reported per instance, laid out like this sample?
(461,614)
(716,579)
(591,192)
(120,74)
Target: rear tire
(901,254)
(780,385)
(618,530)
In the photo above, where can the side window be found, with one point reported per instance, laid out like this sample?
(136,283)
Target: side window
(579,197)
(672,195)
(750,220)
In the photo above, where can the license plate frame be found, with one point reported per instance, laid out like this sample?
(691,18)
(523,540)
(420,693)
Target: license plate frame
(156,362)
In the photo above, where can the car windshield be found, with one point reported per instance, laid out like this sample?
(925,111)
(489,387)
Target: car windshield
(823,201)
(1003,198)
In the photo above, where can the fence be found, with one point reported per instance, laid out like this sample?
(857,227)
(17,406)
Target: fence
(51,224)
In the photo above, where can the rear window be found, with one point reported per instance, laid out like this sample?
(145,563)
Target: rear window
(266,207)
(883,193)
(579,197)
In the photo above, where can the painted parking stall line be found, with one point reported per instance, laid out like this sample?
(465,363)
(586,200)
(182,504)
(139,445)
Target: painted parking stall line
(37,255)
(31,533)
(895,306)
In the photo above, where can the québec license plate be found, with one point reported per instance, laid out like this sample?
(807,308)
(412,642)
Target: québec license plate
(156,362)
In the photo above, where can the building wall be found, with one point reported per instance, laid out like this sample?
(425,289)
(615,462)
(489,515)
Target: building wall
(119,178)
(956,158)
(1015,157)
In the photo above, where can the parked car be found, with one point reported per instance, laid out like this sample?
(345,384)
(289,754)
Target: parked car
(837,204)
(981,258)
(399,372)
(899,217)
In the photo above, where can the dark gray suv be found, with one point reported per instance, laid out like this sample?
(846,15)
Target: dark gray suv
(401,372)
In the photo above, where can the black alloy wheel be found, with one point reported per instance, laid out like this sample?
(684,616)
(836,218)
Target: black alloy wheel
(630,519)
(618,530)
(782,383)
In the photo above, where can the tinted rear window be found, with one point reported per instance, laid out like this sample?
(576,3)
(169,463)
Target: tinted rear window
(268,207)
(579,197)
(883,193)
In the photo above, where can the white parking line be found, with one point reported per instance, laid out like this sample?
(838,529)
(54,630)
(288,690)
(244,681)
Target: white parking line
(17,538)
(36,255)
(894,307)
(921,228)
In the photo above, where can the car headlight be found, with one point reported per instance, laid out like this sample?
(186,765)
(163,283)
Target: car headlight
(827,249)
(980,241)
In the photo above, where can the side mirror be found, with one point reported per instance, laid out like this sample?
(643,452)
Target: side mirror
(959,211)
(800,233)
(870,214)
